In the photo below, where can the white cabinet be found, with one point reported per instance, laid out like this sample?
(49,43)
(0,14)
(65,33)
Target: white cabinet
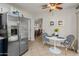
(4,8)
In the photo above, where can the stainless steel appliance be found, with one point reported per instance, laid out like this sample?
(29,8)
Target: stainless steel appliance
(16,34)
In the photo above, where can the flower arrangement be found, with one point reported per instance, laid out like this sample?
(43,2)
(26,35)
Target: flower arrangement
(56,30)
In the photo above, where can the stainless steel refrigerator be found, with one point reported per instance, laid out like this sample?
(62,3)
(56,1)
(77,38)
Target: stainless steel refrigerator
(17,34)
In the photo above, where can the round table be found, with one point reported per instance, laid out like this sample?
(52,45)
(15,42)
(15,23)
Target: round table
(54,49)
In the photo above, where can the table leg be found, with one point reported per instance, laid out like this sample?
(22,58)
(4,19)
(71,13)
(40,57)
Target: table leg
(54,49)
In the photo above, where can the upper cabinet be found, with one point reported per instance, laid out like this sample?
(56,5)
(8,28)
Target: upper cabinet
(4,8)
(7,8)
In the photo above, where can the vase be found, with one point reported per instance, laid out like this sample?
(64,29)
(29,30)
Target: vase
(56,34)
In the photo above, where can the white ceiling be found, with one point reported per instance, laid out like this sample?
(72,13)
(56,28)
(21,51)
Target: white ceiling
(36,8)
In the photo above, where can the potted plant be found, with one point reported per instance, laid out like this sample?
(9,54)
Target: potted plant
(56,30)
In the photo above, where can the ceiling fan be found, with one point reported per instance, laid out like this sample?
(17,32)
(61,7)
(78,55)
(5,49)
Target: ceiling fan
(52,6)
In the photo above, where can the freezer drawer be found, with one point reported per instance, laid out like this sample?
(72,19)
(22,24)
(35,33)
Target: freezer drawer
(23,45)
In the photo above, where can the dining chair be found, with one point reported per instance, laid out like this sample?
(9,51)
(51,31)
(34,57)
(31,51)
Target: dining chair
(68,42)
(45,40)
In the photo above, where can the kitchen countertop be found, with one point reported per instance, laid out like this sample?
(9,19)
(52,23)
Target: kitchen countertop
(1,38)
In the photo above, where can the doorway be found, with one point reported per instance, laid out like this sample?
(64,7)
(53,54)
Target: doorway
(38,27)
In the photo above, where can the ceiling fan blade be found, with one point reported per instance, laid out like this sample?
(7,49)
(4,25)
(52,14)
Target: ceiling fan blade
(58,3)
(59,7)
(44,6)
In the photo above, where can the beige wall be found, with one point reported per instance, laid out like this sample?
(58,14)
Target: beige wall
(68,16)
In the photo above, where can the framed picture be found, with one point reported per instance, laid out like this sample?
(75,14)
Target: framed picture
(51,23)
(60,23)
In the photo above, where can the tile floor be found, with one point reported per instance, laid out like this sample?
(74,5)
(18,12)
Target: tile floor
(36,48)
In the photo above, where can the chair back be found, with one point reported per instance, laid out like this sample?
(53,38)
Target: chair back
(69,40)
(45,34)
(44,37)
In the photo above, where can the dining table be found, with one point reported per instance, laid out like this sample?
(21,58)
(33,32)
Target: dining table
(55,39)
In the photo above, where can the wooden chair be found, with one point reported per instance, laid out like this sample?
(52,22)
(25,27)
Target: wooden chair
(68,42)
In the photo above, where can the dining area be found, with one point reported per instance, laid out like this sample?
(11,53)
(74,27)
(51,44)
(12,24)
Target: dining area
(55,41)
